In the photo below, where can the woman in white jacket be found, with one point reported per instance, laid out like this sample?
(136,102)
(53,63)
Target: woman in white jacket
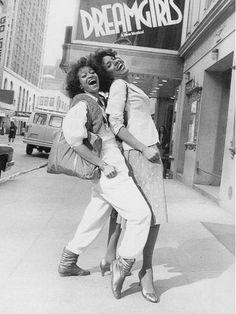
(114,189)
(130,120)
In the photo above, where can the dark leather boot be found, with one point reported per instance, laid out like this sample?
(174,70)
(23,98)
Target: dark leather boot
(120,269)
(68,267)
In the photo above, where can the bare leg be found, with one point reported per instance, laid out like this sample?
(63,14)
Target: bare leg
(113,237)
(146,273)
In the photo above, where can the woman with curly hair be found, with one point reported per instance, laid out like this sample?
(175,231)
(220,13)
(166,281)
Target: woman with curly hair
(130,120)
(114,188)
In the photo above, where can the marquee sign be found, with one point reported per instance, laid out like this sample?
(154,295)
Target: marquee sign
(147,23)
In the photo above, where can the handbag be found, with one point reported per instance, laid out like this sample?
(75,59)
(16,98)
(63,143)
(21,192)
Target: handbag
(63,159)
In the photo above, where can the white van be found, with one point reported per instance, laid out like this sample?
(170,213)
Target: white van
(41,129)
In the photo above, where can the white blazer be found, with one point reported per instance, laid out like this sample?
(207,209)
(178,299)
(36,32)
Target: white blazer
(137,104)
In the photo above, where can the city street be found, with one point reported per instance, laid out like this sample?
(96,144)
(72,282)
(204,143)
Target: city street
(193,259)
(23,162)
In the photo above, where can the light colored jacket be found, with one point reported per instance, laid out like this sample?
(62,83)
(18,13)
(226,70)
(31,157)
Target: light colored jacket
(137,105)
(85,115)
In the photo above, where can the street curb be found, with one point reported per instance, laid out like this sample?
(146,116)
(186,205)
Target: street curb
(14,175)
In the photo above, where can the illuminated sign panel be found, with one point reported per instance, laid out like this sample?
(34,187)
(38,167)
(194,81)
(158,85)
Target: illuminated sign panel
(145,23)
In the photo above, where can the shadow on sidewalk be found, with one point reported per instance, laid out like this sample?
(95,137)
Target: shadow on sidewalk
(225,234)
(192,261)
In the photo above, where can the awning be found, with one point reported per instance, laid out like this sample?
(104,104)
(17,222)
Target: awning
(4,112)
(23,119)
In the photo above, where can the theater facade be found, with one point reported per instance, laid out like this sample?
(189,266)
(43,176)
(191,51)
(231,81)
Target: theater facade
(181,53)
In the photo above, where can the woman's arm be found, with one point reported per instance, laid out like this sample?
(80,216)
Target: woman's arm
(115,109)
(150,153)
(88,155)
(75,132)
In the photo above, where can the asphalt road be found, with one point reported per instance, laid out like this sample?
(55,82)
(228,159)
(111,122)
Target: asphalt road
(23,162)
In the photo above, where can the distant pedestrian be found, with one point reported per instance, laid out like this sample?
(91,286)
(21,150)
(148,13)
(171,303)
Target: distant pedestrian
(164,148)
(12,132)
(2,131)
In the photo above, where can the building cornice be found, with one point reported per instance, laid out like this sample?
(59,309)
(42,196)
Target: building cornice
(220,8)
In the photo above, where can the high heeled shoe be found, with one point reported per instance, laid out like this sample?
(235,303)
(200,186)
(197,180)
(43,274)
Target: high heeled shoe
(104,266)
(120,267)
(149,296)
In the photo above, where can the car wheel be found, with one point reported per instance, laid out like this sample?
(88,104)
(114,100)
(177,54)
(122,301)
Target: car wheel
(29,149)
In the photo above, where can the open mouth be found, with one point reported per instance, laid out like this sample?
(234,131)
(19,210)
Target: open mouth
(92,82)
(119,65)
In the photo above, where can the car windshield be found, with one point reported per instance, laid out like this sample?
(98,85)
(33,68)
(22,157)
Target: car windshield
(40,118)
(55,121)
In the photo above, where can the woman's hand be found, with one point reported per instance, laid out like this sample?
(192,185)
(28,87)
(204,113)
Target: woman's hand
(109,171)
(151,154)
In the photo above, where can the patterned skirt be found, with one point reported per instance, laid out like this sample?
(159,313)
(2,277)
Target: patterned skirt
(148,177)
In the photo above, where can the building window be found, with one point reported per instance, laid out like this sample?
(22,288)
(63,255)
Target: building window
(23,100)
(46,101)
(27,99)
(51,102)
(41,101)
(33,101)
(5,84)
(19,98)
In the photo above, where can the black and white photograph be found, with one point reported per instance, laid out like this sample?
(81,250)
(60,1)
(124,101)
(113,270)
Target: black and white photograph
(117,156)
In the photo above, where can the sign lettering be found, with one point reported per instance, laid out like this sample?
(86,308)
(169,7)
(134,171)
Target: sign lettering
(143,23)
(149,13)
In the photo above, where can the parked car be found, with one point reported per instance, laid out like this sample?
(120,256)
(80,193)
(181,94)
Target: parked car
(6,157)
(41,129)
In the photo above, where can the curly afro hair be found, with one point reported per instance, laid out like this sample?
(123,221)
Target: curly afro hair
(73,86)
(105,79)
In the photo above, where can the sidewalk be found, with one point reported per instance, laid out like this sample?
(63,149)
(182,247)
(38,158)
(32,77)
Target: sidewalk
(193,260)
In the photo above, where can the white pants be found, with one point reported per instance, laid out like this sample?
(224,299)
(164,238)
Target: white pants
(122,194)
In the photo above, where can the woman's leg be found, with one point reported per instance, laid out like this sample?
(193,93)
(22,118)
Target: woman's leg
(146,272)
(130,204)
(113,238)
(92,222)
